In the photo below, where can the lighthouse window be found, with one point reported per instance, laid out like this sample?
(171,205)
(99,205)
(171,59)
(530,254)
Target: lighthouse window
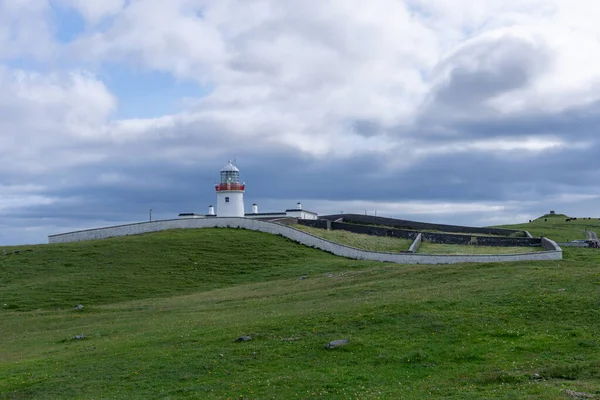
(226,199)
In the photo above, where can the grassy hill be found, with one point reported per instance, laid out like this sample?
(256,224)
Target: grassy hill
(162,312)
(556,228)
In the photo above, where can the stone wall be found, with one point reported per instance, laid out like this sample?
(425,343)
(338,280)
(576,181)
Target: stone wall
(433,237)
(508,241)
(573,244)
(400,223)
(550,245)
(315,223)
(374,230)
(415,245)
(297,236)
(448,238)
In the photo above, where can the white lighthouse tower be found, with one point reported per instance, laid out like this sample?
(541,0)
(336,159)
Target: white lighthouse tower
(230,193)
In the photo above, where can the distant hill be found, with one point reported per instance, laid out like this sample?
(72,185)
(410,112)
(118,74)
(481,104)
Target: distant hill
(558,227)
(553,216)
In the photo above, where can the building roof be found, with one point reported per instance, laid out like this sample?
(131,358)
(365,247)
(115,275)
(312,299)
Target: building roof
(230,167)
(265,213)
(300,209)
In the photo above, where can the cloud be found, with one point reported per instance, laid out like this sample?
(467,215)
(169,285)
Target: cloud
(50,111)
(440,110)
(472,78)
(94,11)
(25,29)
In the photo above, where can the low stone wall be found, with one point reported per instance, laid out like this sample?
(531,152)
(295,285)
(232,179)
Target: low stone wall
(433,237)
(550,245)
(285,220)
(400,223)
(315,223)
(448,238)
(297,236)
(374,230)
(508,241)
(571,244)
(415,245)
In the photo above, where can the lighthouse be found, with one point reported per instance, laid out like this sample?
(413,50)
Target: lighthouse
(230,193)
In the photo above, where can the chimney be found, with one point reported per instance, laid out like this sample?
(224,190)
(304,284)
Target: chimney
(254,209)
(211,210)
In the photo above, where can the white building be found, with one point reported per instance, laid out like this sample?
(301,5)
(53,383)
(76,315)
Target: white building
(230,193)
(230,201)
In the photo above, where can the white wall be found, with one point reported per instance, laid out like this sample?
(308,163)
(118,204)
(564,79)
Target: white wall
(300,237)
(301,214)
(233,208)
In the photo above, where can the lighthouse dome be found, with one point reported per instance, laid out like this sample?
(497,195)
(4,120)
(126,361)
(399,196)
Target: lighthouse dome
(230,168)
(230,174)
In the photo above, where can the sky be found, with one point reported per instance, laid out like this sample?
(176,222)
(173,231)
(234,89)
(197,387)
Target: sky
(450,111)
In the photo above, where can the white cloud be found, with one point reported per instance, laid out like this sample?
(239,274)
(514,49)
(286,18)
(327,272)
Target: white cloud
(284,72)
(42,116)
(294,74)
(94,10)
(26,29)
(331,82)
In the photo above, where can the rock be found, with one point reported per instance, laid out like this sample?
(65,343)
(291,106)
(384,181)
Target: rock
(303,277)
(536,376)
(336,343)
(16,251)
(579,395)
(79,307)
(244,338)
(81,336)
(330,275)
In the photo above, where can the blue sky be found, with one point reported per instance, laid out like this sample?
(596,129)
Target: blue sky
(431,110)
(68,23)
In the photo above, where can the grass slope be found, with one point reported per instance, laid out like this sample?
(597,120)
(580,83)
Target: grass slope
(157,265)
(518,330)
(360,241)
(555,227)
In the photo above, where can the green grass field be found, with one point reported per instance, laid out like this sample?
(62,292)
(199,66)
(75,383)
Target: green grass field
(557,229)
(162,312)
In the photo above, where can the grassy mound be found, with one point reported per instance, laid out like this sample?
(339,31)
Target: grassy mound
(553,216)
(160,264)
(156,327)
